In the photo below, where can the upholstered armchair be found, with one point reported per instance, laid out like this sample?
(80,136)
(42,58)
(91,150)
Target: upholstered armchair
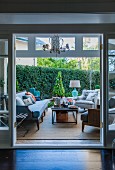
(91,118)
(88,99)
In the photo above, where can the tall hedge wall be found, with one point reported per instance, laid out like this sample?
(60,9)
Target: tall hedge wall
(43,79)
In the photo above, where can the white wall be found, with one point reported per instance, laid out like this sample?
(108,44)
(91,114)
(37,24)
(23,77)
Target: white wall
(26,61)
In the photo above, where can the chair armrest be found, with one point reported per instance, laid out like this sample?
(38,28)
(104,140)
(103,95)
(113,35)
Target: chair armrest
(94,117)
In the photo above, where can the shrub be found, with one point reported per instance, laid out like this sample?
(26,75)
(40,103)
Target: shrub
(43,79)
(58,89)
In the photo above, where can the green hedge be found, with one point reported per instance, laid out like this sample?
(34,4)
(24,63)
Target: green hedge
(43,79)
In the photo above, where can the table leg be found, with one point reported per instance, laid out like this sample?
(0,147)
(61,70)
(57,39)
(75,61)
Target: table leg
(76,117)
(52,117)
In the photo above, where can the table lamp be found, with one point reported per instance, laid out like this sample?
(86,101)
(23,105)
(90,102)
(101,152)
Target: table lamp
(75,84)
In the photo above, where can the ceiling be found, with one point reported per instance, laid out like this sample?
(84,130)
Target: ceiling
(56,18)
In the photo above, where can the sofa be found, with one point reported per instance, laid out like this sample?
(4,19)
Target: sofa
(26,104)
(88,99)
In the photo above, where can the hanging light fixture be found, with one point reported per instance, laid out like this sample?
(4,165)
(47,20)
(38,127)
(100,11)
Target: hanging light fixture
(56,45)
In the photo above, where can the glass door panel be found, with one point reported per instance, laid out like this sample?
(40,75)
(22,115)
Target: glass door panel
(4,113)
(111,89)
(111,84)
(3,92)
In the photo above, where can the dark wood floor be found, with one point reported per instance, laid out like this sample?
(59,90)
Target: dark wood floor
(55,159)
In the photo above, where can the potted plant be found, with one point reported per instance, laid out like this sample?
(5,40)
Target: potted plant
(58,89)
(17,86)
(97,86)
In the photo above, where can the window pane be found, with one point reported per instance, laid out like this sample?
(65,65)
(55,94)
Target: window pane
(22,43)
(111,47)
(42,41)
(64,43)
(67,43)
(90,43)
(3,47)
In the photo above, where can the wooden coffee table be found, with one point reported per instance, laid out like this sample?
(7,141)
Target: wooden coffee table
(62,110)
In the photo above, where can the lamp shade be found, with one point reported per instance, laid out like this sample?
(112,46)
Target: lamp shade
(75,83)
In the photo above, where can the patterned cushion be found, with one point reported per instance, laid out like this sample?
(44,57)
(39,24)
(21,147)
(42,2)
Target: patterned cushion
(27,101)
(29,96)
(28,93)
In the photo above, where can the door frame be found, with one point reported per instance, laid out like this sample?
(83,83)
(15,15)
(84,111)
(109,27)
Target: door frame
(101,110)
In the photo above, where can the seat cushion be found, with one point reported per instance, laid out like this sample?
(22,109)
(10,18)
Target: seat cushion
(39,106)
(84,104)
(84,117)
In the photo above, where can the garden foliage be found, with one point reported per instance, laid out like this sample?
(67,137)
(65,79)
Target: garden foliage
(43,79)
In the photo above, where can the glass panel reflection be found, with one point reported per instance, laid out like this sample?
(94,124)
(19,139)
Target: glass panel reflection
(22,43)
(90,43)
(3,47)
(65,44)
(111,93)
(111,47)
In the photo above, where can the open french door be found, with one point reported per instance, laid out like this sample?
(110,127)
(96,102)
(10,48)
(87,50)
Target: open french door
(110,92)
(6,90)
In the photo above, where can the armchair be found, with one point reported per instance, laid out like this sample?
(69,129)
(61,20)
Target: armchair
(91,118)
(88,99)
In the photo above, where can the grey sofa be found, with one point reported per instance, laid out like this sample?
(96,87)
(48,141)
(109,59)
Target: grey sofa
(88,99)
(35,110)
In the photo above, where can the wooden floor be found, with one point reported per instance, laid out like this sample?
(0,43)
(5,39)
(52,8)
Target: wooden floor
(56,159)
(58,131)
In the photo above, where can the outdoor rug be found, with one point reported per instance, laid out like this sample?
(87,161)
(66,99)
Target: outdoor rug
(57,131)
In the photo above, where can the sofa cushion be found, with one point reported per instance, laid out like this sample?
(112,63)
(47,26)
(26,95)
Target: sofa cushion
(112,102)
(28,93)
(112,126)
(20,94)
(84,102)
(19,101)
(39,106)
(91,96)
(82,97)
(111,119)
(27,101)
(29,96)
